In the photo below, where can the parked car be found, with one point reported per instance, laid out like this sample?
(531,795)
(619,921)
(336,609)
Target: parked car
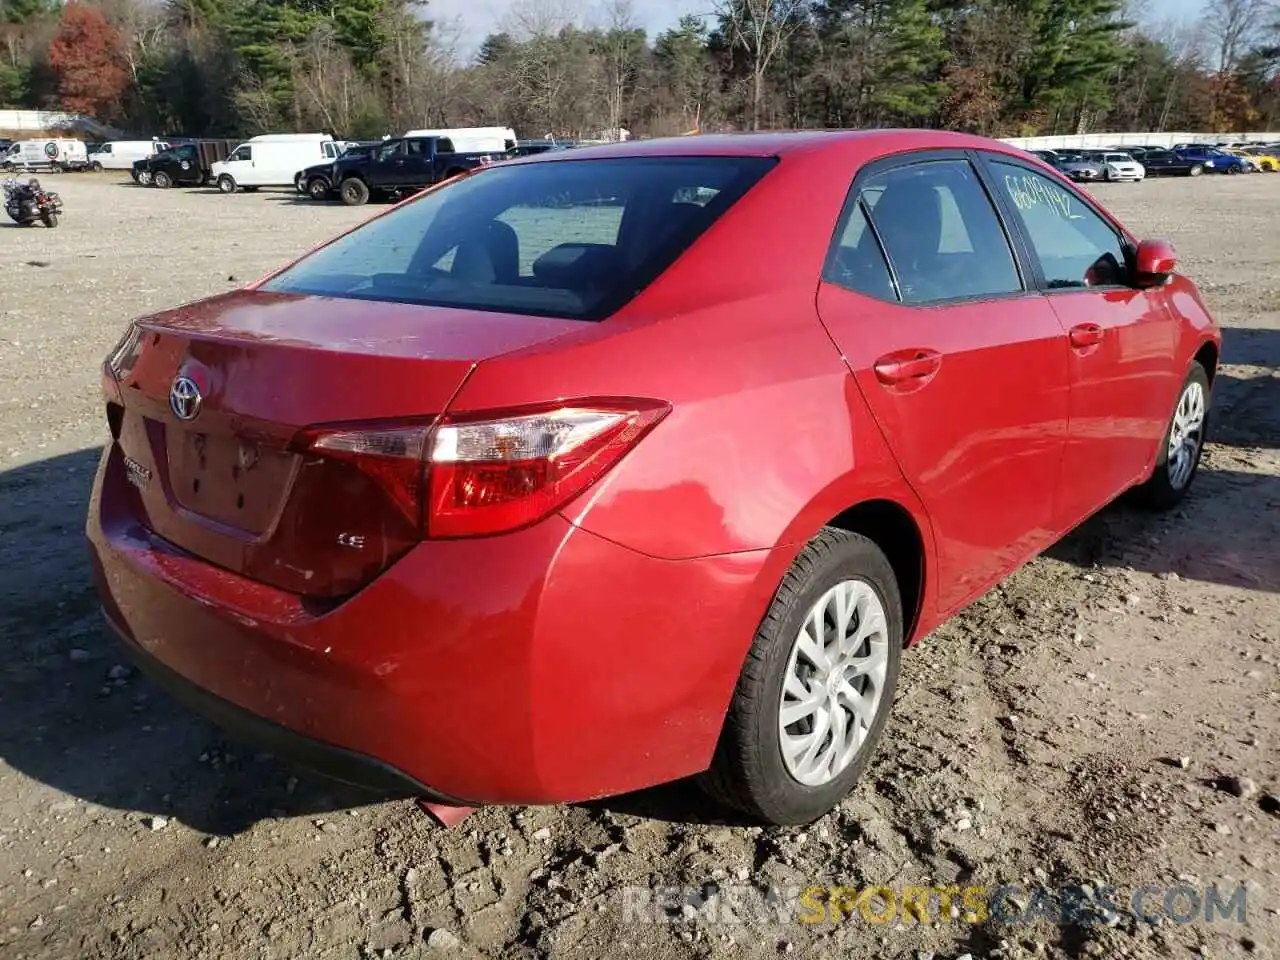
(1219,161)
(1081,167)
(1117,166)
(517,557)
(272,160)
(402,166)
(1159,162)
(531,148)
(187,164)
(317,181)
(123,154)
(56,154)
(1266,160)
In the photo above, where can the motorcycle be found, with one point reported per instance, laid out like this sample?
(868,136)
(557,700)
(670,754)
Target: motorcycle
(28,202)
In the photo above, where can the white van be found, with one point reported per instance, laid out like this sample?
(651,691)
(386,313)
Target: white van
(474,139)
(273,160)
(121,154)
(50,153)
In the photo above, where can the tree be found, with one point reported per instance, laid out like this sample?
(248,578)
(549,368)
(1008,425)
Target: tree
(761,29)
(87,58)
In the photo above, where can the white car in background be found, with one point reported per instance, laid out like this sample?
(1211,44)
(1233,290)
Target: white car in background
(1118,166)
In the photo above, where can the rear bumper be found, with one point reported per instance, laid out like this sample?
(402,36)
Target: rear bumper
(325,758)
(544,666)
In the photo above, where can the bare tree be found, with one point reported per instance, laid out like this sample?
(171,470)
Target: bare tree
(623,46)
(1231,27)
(761,28)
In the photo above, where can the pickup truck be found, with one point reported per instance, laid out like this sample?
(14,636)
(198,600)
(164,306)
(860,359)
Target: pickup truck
(183,164)
(400,166)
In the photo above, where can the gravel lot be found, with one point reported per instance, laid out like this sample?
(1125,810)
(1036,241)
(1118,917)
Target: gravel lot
(1110,716)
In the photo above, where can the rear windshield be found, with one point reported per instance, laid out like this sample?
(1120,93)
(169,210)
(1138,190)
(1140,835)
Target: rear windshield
(569,238)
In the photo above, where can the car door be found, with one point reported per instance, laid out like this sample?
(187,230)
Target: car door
(962,363)
(1120,338)
(390,163)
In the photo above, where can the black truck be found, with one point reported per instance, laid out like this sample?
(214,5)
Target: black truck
(183,164)
(396,167)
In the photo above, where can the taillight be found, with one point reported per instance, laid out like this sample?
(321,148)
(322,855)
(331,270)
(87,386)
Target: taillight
(473,475)
(121,359)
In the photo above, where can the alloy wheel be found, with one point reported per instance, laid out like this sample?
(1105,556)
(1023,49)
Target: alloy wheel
(1186,434)
(834,683)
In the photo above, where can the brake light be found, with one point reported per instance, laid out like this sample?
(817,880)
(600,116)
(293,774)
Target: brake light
(474,475)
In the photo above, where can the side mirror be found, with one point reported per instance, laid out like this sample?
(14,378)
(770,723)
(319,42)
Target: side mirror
(1156,259)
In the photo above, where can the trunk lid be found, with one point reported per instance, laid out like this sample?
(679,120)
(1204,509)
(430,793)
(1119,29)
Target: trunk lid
(218,391)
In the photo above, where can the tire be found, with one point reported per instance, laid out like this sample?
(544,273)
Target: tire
(354,192)
(318,188)
(1196,170)
(145,178)
(1232,171)
(50,219)
(95,167)
(162,180)
(1170,482)
(226,183)
(748,771)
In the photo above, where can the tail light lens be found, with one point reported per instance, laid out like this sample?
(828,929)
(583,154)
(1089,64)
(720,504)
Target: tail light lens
(123,356)
(471,475)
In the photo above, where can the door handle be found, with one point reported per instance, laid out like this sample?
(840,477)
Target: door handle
(907,366)
(1085,335)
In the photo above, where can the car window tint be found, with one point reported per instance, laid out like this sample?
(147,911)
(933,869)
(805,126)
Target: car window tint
(1075,246)
(856,261)
(941,233)
(570,238)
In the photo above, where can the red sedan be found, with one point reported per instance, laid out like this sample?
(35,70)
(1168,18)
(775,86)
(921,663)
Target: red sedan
(604,468)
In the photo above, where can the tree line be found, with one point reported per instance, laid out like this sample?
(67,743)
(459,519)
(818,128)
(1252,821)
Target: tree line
(363,68)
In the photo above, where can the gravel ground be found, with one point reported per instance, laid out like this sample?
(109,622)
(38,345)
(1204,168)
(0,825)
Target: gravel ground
(1109,717)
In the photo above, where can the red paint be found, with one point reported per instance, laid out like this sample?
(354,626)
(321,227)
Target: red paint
(594,650)
(444,814)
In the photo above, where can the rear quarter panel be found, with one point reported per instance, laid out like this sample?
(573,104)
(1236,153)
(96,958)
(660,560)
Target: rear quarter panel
(768,439)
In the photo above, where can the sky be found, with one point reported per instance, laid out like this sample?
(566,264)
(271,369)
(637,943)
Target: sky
(470,21)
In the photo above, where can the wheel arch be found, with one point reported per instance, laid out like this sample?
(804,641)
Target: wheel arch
(1207,356)
(896,531)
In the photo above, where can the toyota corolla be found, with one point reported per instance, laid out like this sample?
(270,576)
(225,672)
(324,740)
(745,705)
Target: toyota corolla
(605,468)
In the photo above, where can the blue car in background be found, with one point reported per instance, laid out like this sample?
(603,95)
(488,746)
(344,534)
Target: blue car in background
(1214,159)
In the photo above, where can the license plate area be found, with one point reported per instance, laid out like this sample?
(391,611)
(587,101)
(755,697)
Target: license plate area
(238,482)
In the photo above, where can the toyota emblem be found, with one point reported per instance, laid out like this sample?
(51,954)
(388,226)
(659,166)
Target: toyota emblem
(184,398)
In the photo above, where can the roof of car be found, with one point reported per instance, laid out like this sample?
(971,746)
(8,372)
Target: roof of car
(779,143)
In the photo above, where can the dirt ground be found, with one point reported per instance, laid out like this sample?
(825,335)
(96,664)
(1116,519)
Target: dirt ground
(1109,717)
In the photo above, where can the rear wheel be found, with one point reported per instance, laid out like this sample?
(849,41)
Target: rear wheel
(49,219)
(1233,170)
(1182,446)
(1196,170)
(354,192)
(817,685)
(162,180)
(226,183)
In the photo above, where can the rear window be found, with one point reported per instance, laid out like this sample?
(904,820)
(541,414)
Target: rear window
(569,238)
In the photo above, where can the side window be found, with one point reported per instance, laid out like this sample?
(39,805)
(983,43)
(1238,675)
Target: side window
(391,150)
(105,149)
(242,153)
(856,261)
(444,145)
(941,233)
(1075,246)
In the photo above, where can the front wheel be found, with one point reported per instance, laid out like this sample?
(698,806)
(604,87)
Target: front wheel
(144,178)
(49,219)
(95,167)
(817,686)
(162,180)
(318,188)
(1182,445)
(226,184)
(354,192)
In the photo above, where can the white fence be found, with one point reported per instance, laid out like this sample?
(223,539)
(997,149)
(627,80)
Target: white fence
(1104,140)
(47,121)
